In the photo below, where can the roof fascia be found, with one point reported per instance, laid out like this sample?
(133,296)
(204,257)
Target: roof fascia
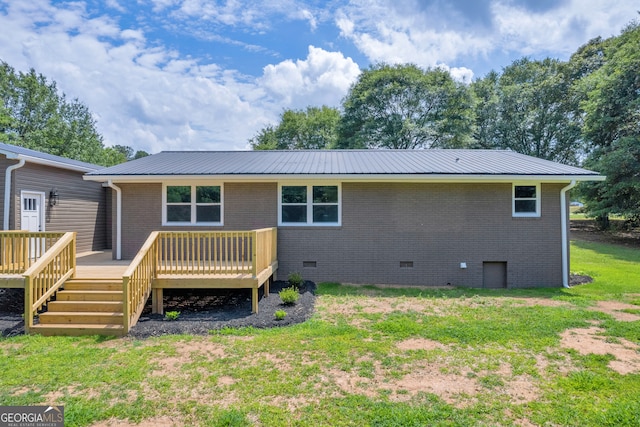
(346,178)
(46,162)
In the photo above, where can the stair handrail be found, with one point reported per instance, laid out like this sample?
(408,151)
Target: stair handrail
(44,277)
(137,281)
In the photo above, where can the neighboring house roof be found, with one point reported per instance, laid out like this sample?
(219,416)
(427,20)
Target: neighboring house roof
(33,156)
(369,164)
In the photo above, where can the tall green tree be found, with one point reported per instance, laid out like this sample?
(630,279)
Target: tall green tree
(313,128)
(33,114)
(531,109)
(612,127)
(406,107)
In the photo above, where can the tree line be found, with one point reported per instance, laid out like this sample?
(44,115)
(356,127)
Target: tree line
(35,115)
(584,111)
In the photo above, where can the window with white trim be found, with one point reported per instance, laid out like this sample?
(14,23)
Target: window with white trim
(309,205)
(526,200)
(192,205)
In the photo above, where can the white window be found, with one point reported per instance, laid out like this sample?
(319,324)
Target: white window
(526,200)
(191,204)
(309,204)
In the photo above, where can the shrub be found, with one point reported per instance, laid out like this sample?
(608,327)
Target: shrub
(289,296)
(295,279)
(172,315)
(280,314)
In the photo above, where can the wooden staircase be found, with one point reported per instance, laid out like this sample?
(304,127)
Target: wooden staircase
(84,307)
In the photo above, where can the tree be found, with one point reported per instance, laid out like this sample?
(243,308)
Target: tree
(405,107)
(313,128)
(486,92)
(128,153)
(34,115)
(531,109)
(612,128)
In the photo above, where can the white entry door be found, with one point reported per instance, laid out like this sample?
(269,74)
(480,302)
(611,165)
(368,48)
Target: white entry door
(32,219)
(32,211)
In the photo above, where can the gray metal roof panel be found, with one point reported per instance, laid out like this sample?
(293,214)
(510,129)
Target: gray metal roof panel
(341,162)
(48,157)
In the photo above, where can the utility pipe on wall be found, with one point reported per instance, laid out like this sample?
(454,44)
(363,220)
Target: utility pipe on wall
(118,218)
(7,193)
(565,233)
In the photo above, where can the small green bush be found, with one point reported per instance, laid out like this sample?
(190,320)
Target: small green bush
(295,279)
(172,315)
(280,314)
(289,296)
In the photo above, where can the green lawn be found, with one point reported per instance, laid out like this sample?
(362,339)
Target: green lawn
(370,356)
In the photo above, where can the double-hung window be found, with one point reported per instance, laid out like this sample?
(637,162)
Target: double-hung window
(309,205)
(526,200)
(192,205)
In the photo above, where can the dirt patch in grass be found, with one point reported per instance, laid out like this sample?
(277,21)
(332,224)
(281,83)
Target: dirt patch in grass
(163,421)
(188,352)
(451,388)
(615,309)
(588,341)
(420,344)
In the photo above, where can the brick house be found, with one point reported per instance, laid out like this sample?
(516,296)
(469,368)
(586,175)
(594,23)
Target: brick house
(476,218)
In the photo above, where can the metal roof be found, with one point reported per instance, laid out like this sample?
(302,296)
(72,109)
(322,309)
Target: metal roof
(340,162)
(47,159)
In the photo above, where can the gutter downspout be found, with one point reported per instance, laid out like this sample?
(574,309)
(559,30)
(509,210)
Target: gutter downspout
(565,233)
(118,218)
(7,193)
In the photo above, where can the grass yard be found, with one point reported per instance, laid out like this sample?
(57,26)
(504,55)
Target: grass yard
(370,356)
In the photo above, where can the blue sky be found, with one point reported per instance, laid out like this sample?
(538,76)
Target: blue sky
(198,74)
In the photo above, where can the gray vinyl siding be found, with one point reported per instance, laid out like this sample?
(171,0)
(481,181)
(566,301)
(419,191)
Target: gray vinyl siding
(433,226)
(81,207)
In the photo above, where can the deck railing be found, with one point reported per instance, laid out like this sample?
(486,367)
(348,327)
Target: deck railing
(137,281)
(265,249)
(193,253)
(21,249)
(45,276)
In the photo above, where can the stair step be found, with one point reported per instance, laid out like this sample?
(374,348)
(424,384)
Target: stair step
(85,295)
(84,306)
(77,329)
(93,284)
(88,318)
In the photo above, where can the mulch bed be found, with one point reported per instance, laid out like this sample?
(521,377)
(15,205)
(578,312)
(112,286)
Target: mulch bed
(201,311)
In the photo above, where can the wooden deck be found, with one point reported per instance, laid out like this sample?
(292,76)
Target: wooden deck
(100,265)
(92,293)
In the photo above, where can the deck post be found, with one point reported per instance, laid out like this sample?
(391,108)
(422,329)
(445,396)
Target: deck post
(254,300)
(125,304)
(157,307)
(28,311)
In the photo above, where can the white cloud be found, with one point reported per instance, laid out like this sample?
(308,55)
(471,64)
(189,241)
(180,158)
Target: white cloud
(431,33)
(153,98)
(322,78)
(561,29)
(387,34)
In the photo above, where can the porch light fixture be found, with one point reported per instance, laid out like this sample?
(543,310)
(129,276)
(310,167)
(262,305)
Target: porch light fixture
(53,197)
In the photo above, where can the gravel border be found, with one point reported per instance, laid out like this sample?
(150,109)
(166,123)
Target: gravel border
(201,311)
